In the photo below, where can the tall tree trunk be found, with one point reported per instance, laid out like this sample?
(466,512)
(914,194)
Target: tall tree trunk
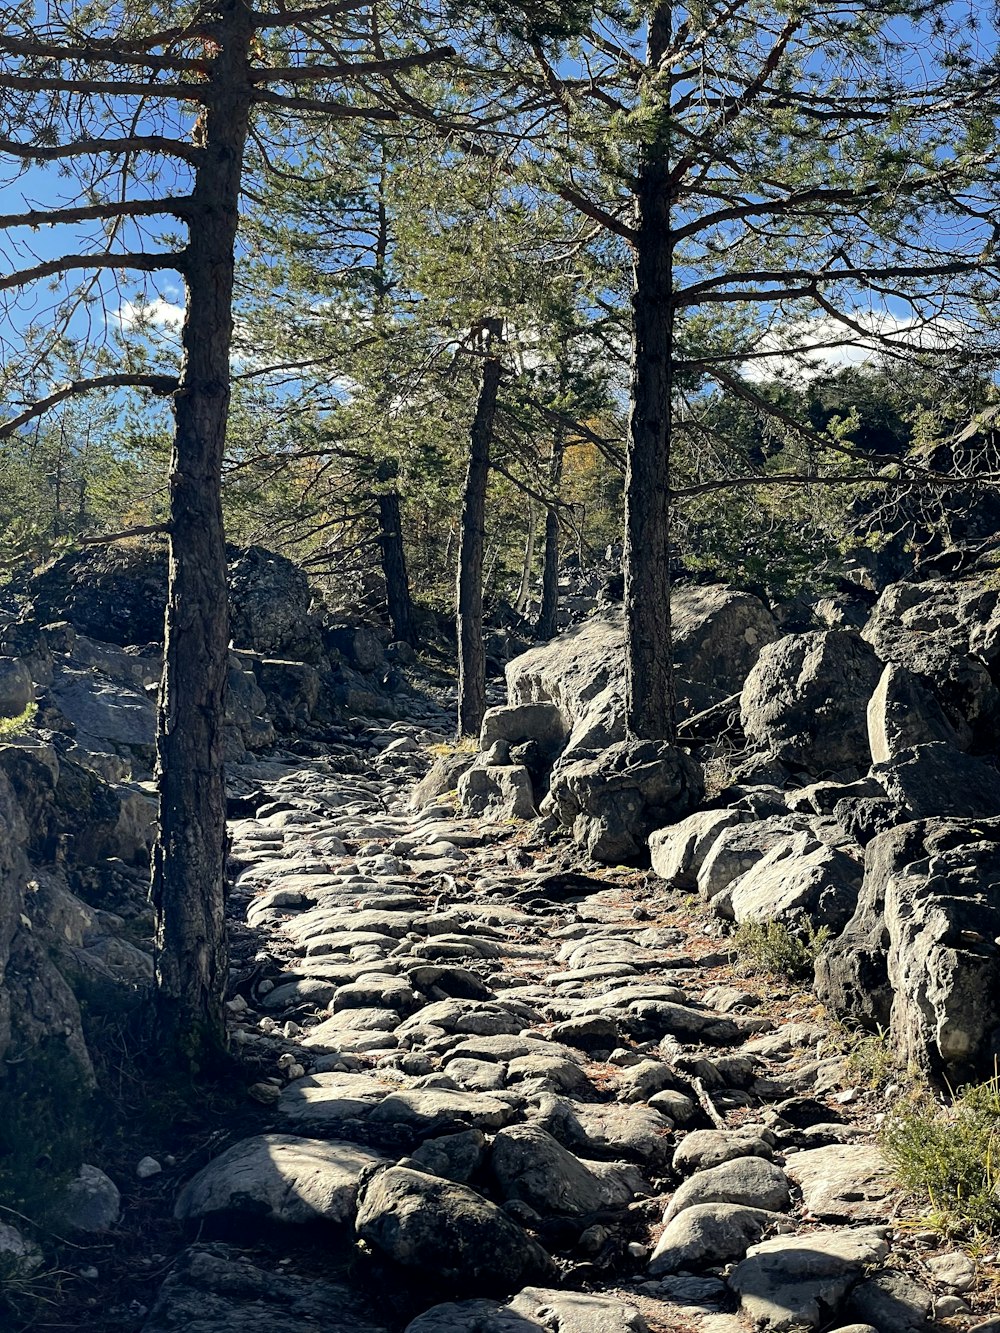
(189,859)
(524,588)
(649,677)
(549,609)
(397,583)
(469,583)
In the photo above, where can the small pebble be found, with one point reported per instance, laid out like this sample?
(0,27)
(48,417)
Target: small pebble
(147,1167)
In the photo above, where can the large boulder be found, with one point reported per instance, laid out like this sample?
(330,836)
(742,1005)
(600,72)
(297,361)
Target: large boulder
(614,800)
(937,779)
(903,713)
(447,1231)
(17,689)
(116,593)
(717,635)
(270,607)
(920,953)
(947,633)
(501,791)
(531,1166)
(806,701)
(801,880)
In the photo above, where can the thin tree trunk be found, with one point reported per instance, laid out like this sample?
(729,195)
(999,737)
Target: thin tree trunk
(649,678)
(469,583)
(397,583)
(524,589)
(549,610)
(189,859)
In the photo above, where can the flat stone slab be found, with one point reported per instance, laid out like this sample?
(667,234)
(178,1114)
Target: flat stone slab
(426,1108)
(215,1289)
(797,1282)
(280,1177)
(532,1310)
(325,1099)
(842,1182)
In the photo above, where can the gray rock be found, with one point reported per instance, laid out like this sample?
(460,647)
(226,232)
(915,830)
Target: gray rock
(710,1234)
(531,1166)
(717,635)
(612,802)
(919,957)
(945,633)
(542,722)
(499,792)
(424,1110)
(637,1132)
(893,1301)
(798,1282)
(106,715)
(678,851)
(845,1182)
(454,1156)
(280,1177)
(705,1148)
(91,1203)
(744,1180)
(954,1270)
(902,713)
(806,701)
(442,1228)
(18,1256)
(533,1309)
(801,878)
(740,846)
(575,1312)
(215,1289)
(938,780)
(17,689)
(441,778)
(327,1099)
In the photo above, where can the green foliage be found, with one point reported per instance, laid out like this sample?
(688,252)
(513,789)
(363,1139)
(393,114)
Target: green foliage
(950,1156)
(772,947)
(871,1060)
(17,726)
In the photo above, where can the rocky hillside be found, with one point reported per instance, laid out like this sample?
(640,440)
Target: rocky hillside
(506,1059)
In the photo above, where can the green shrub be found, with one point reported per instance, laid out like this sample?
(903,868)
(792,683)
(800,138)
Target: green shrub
(771,947)
(950,1155)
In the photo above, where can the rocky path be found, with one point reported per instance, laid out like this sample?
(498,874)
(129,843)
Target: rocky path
(505,1092)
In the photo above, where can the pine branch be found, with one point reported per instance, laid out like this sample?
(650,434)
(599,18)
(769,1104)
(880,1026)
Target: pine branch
(179,206)
(140,143)
(158,384)
(144,263)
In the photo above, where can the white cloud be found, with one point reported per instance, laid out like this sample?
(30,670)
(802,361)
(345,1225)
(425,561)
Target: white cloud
(160,314)
(804,349)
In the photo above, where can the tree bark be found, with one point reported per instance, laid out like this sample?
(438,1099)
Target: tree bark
(649,677)
(189,859)
(469,583)
(549,609)
(397,583)
(524,587)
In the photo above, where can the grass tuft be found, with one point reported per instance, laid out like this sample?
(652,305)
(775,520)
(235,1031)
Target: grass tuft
(772,947)
(950,1155)
(16,726)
